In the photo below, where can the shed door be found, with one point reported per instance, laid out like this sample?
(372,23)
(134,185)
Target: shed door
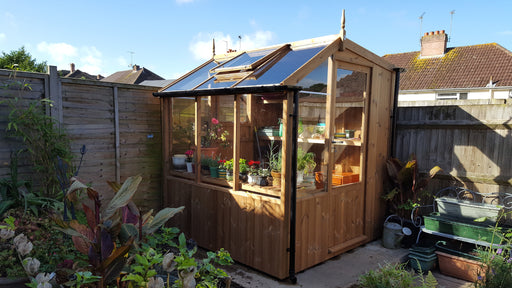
(346,184)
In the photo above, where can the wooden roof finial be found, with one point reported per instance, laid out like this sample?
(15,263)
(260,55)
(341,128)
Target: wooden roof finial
(342,31)
(213,47)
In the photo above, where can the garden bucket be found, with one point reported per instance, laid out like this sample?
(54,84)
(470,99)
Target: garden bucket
(393,233)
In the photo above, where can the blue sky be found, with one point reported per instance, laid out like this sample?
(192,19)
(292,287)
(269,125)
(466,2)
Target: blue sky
(174,36)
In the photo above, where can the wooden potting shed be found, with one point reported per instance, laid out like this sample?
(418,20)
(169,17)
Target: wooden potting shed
(328,96)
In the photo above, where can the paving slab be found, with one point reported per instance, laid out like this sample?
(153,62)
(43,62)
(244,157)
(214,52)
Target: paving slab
(339,272)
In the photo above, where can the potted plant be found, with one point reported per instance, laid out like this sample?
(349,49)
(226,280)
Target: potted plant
(275,163)
(305,164)
(222,168)
(243,169)
(228,165)
(189,160)
(215,136)
(214,167)
(264,174)
(253,172)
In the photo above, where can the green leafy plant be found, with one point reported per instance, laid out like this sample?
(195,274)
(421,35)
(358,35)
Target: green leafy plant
(408,185)
(83,278)
(242,166)
(43,140)
(144,267)
(205,272)
(274,157)
(12,189)
(396,276)
(112,229)
(496,267)
(305,161)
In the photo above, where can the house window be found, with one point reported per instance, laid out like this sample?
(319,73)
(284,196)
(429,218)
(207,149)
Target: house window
(448,96)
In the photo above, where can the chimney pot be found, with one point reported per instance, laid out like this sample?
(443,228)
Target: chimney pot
(426,34)
(433,43)
(136,67)
(72,67)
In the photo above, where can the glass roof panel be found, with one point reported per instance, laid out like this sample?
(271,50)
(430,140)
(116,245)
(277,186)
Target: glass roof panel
(194,79)
(292,61)
(247,58)
(212,85)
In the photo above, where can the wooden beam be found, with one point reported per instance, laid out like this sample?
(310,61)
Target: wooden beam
(377,60)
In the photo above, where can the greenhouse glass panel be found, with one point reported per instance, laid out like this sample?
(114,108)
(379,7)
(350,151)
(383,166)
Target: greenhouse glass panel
(212,84)
(292,61)
(193,79)
(245,59)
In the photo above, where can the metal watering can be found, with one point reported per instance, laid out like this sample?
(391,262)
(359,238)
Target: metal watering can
(394,232)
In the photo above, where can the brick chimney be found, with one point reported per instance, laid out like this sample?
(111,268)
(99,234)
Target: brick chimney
(72,67)
(135,68)
(433,43)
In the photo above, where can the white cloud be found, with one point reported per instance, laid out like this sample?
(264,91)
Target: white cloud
(58,52)
(201,47)
(87,58)
(507,32)
(2,37)
(90,61)
(184,1)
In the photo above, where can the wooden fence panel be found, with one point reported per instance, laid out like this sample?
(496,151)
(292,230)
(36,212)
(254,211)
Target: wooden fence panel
(119,124)
(470,141)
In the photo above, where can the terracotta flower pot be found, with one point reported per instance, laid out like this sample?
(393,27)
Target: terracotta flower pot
(276,179)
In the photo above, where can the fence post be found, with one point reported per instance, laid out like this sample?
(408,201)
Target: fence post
(55,94)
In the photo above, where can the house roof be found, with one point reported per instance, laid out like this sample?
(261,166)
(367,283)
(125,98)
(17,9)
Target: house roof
(157,83)
(133,76)
(79,74)
(460,67)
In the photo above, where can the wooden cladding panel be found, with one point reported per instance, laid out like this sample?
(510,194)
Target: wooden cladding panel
(248,226)
(313,219)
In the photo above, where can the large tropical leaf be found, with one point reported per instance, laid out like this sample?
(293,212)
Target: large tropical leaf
(75,186)
(128,231)
(89,215)
(123,196)
(107,246)
(160,219)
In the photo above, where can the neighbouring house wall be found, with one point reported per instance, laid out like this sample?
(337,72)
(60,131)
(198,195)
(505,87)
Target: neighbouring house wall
(470,140)
(119,124)
(472,94)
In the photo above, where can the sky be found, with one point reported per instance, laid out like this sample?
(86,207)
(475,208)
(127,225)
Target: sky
(172,37)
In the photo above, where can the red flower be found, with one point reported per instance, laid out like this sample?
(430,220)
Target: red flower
(215,121)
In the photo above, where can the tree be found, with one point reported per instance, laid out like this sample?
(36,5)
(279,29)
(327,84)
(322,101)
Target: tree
(23,59)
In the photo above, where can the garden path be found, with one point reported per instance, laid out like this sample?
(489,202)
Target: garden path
(340,272)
